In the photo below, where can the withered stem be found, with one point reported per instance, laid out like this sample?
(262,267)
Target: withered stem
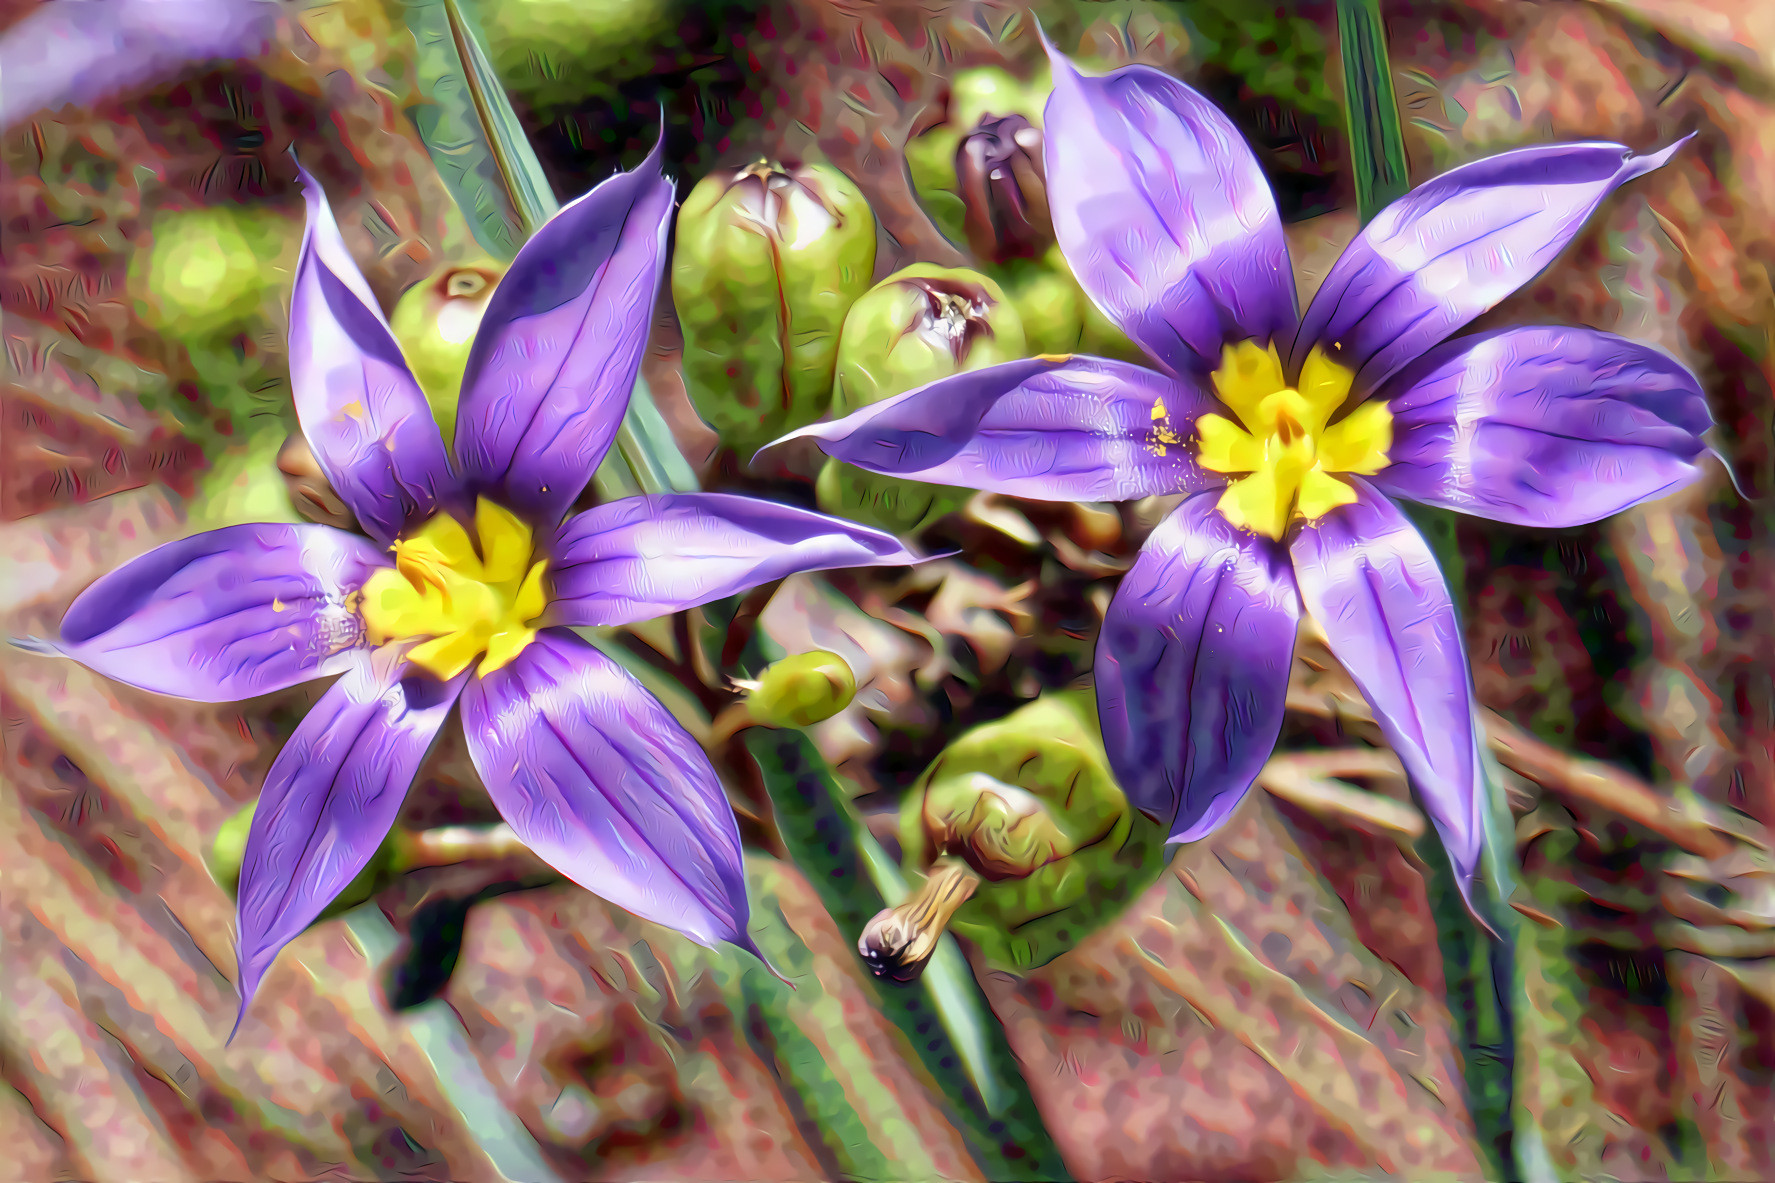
(900,940)
(1575,778)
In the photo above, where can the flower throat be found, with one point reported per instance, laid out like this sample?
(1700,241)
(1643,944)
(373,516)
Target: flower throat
(466,603)
(1283,447)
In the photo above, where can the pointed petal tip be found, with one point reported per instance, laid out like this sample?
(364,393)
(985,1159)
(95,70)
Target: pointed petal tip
(811,431)
(656,156)
(239,1017)
(745,943)
(41,646)
(1645,162)
(1466,881)
(313,195)
(1731,473)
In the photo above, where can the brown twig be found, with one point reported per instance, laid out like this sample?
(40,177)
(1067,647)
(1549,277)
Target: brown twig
(1576,778)
(1595,783)
(1310,781)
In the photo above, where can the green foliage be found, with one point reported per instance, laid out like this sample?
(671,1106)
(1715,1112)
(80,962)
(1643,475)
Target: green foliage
(556,53)
(1273,50)
(208,272)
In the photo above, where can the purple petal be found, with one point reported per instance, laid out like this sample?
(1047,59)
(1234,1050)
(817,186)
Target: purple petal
(643,557)
(597,778)
(1370,581)
(1192,667)
(1455,246)
(329,800)
(1164,215)
(555,360)
(1544,426)
(76,52)
(1046,428)
(360,407)
(226,615)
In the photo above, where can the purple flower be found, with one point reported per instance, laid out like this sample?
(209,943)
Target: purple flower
(82,51)
(1288,434)
(464,588)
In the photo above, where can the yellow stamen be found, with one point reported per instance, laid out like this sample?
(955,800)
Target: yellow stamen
(1285,439)
(466,602)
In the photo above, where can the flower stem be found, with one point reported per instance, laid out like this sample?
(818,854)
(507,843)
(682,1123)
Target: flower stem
(943,1014)
(644,458)
(1484,981)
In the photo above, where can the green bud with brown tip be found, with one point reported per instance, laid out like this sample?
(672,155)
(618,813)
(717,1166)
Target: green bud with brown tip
(228,851)
(801,690)
(919,324)
(435,323)
(766,263)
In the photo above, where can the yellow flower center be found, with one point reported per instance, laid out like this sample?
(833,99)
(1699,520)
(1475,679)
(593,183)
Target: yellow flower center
(1287,449)
(467,603)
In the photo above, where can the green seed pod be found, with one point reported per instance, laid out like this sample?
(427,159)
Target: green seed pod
(1048,301)
(208,272)
(435,323)
(767,262)
(919,324)
(1029,805)
(801,690)
(229,849)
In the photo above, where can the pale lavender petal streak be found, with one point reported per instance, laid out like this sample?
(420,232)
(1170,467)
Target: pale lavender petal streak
(1453,247)
(1192,667)
(74,51)
(554,362)
(1369,579)
(1164,215)
(226,615)
(1051,428)
(600,780)
(1544,426)
(643,557)
(359,405)
(329,800)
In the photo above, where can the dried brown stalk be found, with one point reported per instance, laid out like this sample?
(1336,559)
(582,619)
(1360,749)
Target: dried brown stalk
(1322,690)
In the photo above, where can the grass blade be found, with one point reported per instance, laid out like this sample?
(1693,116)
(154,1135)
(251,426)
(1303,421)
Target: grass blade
(485,157)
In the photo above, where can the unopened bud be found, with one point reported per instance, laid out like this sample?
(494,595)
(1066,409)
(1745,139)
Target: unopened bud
(1004,193)
(1028,805)
(435,323)
(932,156)
(310,491)
(802,690)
